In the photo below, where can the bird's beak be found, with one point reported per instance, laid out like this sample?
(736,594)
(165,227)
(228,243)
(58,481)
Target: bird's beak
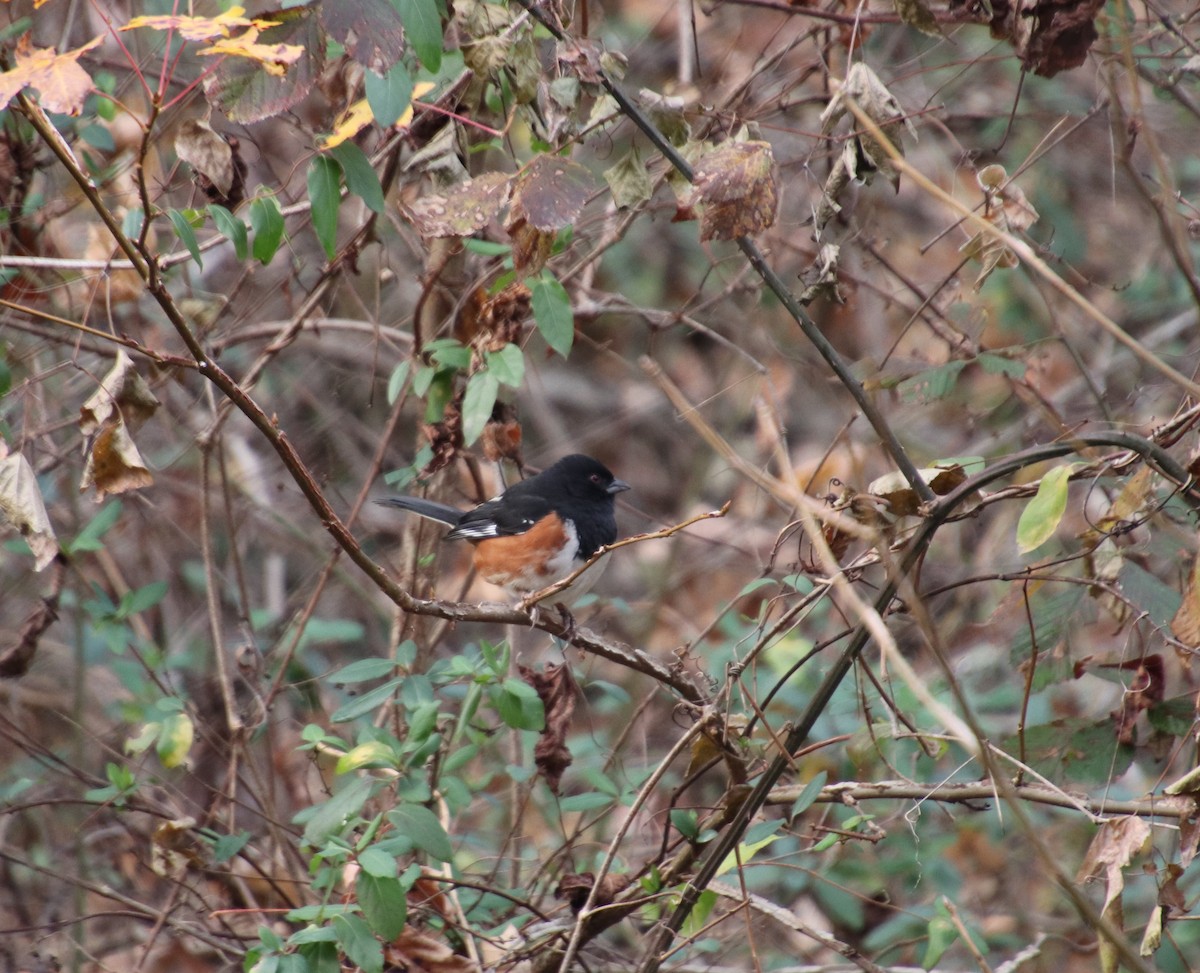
(618,486)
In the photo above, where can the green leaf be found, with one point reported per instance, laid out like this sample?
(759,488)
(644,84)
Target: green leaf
(143,599)
(942,934)
(133,221)
(695,922)
(757,838)
(144,738)
(363,670)
(1042,514)
(478,402)
(231,227)
(809,794)
(383,903)
(266,219)
(1077,751)
(321,957)
(175,740)
(366,703)
(508,365)
(487,248)
(685,823)
(269,938)
(931,385)
(361,178)
(423,26)
(1053,616)
(390,95)
(588,801)
(228,845)
(359,944)
(629,181)
(315,934)
(379,863)
(518,704)
(421,723)
(1173,716)
(999,365)
(323,819)
(423,380)
(396,381)
(552,312)
(185,232)
(449,353)
(325,198)
(315,913)
(421,826)
(1157,599)
(373,753)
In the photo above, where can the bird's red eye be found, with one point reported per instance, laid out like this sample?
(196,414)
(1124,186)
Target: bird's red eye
(595,477)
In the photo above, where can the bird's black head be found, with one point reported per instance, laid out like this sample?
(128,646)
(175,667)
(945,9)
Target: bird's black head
(585,477)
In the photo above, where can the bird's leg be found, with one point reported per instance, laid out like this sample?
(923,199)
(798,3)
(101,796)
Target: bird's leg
(570,629)
(535,613)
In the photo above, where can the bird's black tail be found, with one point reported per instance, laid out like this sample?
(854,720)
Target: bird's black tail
(425,508)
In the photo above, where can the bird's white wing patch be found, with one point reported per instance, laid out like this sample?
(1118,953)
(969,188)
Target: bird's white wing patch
(478,530)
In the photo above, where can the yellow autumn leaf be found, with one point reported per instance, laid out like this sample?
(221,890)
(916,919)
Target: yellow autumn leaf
(200,28)
(274,58)
(62,85)
(358,116)
(349,123)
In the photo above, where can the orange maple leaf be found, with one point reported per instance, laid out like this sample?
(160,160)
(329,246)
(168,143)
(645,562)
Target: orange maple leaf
(61,83)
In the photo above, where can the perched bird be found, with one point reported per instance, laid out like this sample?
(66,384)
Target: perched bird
(539,530)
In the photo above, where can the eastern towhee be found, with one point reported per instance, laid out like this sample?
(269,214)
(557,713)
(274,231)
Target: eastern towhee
(539,530)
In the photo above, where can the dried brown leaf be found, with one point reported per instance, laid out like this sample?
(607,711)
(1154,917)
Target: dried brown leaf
(1113,848)
(207,152)
(821,277)
(22,506)
(1146,687)
(416,952)
(917,15)
(1189,834)
(16,658)
(550,192)
(531,247)
(1006,208)
(735,190)
(558,692)
(629,181)
(863,155)
(902,500)
(581,58)
(1048,35)
(1185,626)
(176,848)
(122,392)
(114,464)
(463,210)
